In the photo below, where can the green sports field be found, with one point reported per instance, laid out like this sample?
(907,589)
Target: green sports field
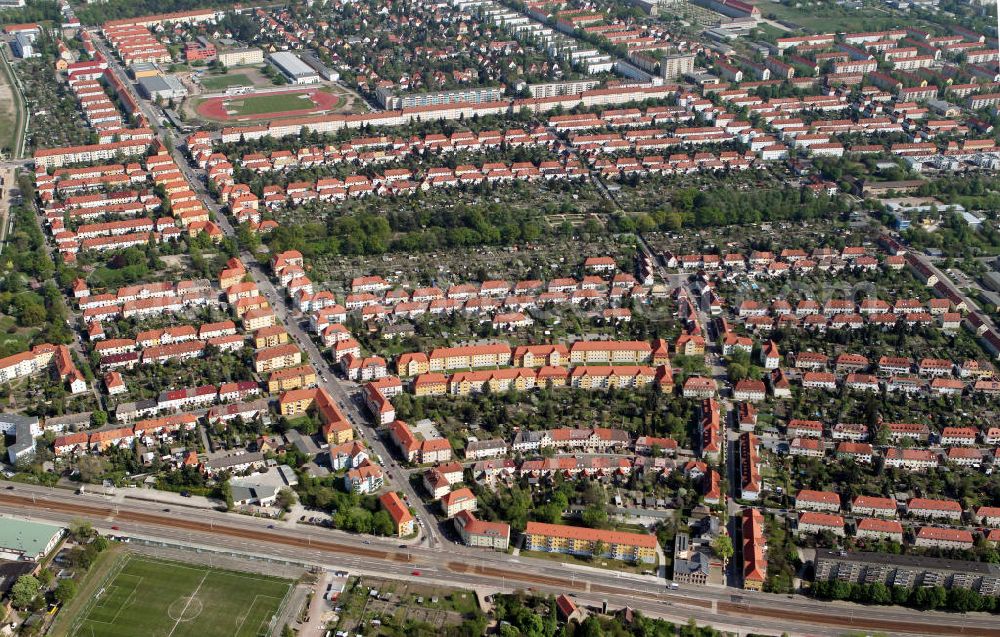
(264,104)
(156,598)
(222,82)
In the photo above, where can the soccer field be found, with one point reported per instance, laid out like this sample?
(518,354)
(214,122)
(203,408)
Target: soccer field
(222,82)
(156,598)
(276,103)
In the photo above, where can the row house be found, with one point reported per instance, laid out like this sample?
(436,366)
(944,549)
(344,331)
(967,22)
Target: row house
(857,451)
(874,506)
(817,500)
(877,529)
(929,508)
(910,459)
(936,537)
(813,522)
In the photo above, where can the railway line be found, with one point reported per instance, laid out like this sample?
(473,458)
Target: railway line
(752,611)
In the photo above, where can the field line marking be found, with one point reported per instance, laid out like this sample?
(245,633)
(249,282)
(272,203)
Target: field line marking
(263,620)
(190,597)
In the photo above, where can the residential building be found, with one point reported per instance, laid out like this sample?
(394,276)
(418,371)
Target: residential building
(908,571)
(929,508)
(399,512)
(557,538)
(754,550)
(366,478)
(809,500)
(937,537)
(878,529)
(475,532)
(813,522)
(458,500)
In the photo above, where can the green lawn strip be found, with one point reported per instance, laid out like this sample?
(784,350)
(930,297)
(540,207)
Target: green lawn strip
(94,579)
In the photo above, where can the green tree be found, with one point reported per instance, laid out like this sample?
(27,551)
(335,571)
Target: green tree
(723,547)
(65,590)
(880,594)
(600,548)
(382,523)
(80,530)
(98,418)
(24,591)
(286,499)
(595,516)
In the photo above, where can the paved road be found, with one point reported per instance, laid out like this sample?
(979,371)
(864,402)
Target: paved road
(465,567)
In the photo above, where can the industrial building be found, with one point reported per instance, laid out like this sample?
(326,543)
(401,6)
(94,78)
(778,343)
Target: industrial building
(21,540)
(293,68)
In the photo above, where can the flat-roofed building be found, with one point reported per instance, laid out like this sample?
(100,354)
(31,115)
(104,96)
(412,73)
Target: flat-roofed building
(22,540)
(241,57)
(293,68)
(908,571)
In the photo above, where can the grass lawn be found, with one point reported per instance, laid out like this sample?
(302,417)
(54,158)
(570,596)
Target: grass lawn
(222,82)
(13,338)
(826,17)
(153,597)
(264,104)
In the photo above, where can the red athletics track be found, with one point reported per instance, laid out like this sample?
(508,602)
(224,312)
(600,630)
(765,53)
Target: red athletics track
(215,108)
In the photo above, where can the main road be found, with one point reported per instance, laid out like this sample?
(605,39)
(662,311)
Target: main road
(484,571)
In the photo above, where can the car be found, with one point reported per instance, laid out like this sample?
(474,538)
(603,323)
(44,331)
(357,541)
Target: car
(366,542)
(416,573)
(185,494)
(166,510)
(115,528)
(402,546)
(10,487)
(270,526)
